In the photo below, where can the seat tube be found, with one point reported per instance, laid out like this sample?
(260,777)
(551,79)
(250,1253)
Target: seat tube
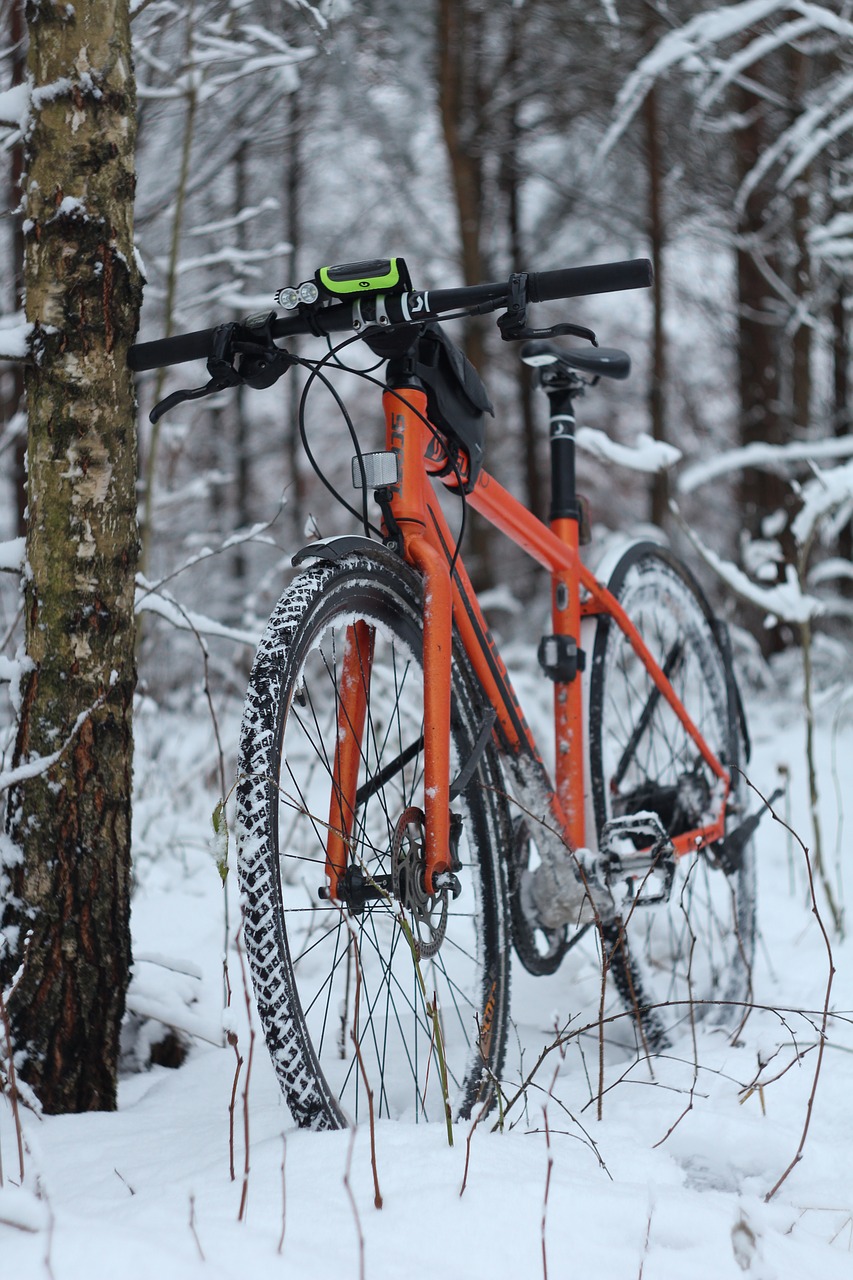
(408,437)
(565,615)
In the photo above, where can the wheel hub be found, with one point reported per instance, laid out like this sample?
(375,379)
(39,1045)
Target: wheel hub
(427,912)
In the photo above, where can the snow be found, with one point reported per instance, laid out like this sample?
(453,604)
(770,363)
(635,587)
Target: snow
(13,554)
(670,1183)
(15,336)
(820,496)
(645,454)
(152,600)
(761,454)
(683,45)
(15,105)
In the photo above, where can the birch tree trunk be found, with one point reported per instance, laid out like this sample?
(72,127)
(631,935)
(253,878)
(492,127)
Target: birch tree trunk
(67,859)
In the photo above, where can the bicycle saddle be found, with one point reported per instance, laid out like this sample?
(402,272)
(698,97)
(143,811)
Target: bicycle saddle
(602,362)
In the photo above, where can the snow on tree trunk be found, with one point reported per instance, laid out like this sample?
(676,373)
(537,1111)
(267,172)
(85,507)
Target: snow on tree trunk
(67,891)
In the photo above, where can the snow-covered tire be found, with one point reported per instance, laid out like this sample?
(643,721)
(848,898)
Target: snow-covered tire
(690,958)
(313,961)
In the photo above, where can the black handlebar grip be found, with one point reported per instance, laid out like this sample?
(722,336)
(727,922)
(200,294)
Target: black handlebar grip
(183,346)
(574,282)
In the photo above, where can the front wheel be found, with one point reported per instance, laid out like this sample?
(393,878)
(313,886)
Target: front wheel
(689,957)
(369,992)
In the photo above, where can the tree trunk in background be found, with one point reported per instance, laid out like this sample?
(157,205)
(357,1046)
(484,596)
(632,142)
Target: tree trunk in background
(13,377)
(532,448)
(242,430)
(462,107)
(293,178)
(659,495)
(67,891)
(801,282)
(842,421)
(757,328)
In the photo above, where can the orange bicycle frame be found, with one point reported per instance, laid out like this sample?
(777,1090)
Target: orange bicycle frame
(449,600)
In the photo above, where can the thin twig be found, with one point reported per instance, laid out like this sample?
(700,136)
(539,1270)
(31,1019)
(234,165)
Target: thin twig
(232,1040)
(825,1014)
(10,1057)
(480,1114)
(193,1230)
(694,1082)
(354,1206)
(13,1088)
(646,1243)
(547,1189)
(377,1194)
(760,1085)
(283,1194)
(245,1192)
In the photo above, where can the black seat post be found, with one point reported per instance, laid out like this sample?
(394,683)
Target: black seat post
(562,386)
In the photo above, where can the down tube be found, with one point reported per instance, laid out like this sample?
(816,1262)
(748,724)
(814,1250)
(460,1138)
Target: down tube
(512,728)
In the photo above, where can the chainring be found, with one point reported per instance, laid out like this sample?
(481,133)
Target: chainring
(537,961)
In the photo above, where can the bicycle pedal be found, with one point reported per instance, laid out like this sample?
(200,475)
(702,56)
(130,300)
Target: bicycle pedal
(637,858)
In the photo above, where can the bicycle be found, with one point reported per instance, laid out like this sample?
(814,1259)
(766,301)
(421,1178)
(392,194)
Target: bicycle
(398,832)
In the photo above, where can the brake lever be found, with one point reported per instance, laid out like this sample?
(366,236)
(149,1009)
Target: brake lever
(261,362)
(178,397)
(513,323)
(564,329)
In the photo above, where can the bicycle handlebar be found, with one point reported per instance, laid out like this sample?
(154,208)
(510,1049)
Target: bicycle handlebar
(542,286)
(576,282)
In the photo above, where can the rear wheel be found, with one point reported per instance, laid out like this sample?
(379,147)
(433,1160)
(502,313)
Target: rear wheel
(690,957)
(338,982)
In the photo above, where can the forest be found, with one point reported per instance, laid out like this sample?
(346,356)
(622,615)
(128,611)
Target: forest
(250,143)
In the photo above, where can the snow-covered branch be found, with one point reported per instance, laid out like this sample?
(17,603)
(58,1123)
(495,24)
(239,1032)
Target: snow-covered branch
(698,49)
(187,620)
(15,336)
(646,455)
(761,454)
(783,600)
(41,764)
(13,555)
(15,108)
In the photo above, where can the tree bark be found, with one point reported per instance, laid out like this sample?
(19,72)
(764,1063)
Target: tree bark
(841,401)
(801,282)
(659,490)
(293,179)
(757,328)
(67,891)
(535,489)
(463,108)
(460,103)
(14,376)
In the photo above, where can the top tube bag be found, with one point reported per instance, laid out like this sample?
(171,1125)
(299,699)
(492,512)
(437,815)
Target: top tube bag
(456,397)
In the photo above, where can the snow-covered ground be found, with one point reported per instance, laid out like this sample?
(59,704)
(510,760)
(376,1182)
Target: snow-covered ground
(669,1184)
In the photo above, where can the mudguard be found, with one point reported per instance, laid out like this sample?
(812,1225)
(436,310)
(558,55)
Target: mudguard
(333,550)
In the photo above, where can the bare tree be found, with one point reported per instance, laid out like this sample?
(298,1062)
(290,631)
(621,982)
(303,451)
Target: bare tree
(65,916)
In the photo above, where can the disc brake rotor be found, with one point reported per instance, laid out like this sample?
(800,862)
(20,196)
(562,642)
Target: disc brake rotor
(427,912)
